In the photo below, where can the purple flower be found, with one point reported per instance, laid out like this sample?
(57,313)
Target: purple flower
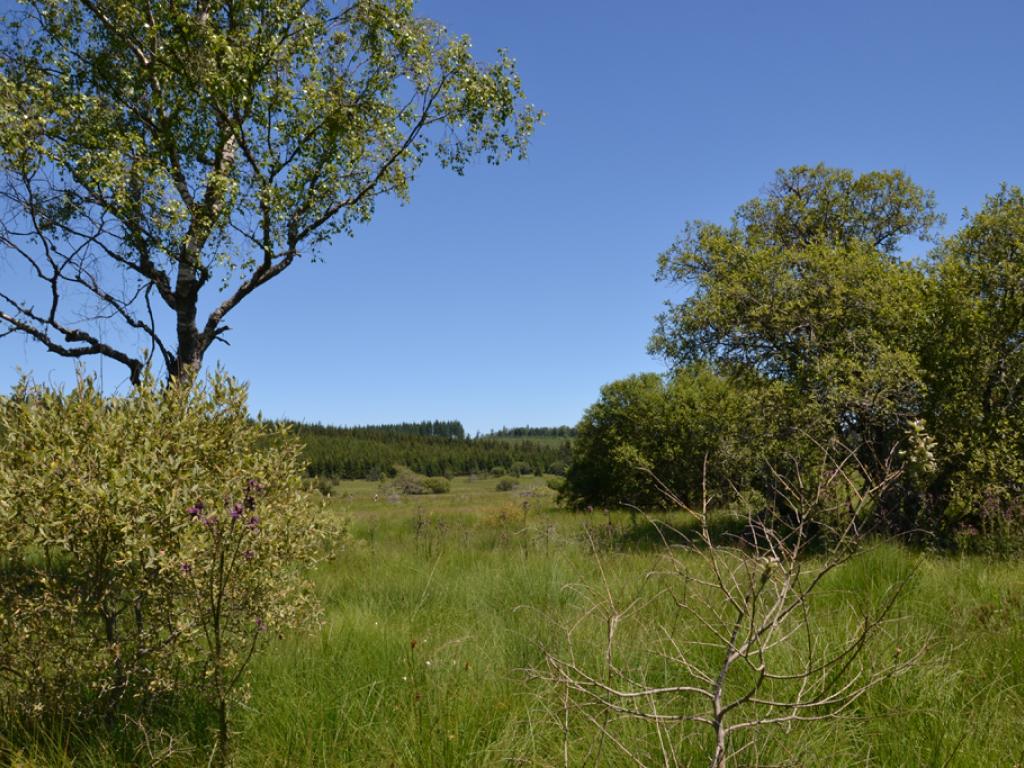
(236,511)
(255,486)
(261,625)
(254,522)
(211,520)
(186,568)
(248,554)
(250,502)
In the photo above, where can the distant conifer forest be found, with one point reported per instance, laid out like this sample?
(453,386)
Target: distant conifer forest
(432,448)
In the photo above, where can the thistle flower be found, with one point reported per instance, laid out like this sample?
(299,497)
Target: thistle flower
(248,554)
(186,568)
(236,511)
(254,522)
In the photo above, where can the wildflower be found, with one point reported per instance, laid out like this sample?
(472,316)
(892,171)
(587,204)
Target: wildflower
(254,522)
(261,626)
(196,510)
(186,568)
(210,520)
(236,511)
(248,554)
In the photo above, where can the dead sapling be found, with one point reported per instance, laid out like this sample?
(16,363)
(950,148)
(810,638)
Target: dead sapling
(733,637)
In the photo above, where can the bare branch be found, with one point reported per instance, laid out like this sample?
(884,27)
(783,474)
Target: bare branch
(746,656)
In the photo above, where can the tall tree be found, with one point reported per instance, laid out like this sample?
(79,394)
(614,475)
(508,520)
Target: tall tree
(155,152)
(973,358)
(805,288)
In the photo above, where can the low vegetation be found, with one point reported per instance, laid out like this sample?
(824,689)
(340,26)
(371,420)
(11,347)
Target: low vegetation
(150,546)
(758,568)
(439,613)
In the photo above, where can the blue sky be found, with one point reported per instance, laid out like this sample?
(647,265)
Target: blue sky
(510,295)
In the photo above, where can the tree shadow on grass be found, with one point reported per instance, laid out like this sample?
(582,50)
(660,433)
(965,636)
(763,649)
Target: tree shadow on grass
(654,532)
(657,532)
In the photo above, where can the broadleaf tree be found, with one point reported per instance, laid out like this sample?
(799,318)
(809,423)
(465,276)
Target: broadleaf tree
(160,160)
(973,359)
(805,288)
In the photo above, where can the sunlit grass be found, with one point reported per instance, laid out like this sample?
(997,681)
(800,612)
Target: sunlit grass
(437,608)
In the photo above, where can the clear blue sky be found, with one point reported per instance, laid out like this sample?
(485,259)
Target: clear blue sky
(510,295)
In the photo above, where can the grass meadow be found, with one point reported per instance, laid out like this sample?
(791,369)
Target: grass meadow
(438,610)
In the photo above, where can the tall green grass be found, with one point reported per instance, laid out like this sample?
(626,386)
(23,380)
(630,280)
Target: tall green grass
(437,609)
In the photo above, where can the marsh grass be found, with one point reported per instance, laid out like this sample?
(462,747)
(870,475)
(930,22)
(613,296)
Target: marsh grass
(438,607)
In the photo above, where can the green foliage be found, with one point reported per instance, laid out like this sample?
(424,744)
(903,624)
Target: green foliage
(507,484)
(149,545)
(409,483)
(214,144)
(492,598)
(973,359)
(520,468)
(558,468)
(828,338)
(803,288)
(437,484)
(452,430)
(323,485)
(647,434)
(802,302)
(429,448)
(533,432)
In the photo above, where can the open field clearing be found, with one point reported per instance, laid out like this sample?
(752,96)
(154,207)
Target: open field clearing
(438,611)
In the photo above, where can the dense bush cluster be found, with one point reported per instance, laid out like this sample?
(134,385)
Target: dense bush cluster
(353,453)
(149,544)
(647,433)
(408,483)
(804,328)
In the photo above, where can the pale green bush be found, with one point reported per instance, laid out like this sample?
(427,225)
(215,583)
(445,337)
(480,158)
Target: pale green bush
(506,484)
(409,483)
(149,544)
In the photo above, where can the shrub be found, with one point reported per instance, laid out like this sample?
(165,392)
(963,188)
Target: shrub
(437,484)
(506,484)
(149,544)
(558,468)
(646,427)
(322,485)
(410,483)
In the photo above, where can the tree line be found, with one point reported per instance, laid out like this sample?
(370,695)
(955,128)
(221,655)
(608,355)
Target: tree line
(805,327)
(429,448)
(563,431)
